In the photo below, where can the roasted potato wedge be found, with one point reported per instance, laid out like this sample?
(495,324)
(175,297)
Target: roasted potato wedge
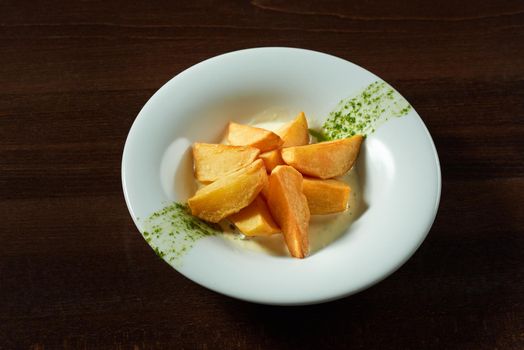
(271,159)
(255,219)
(325,159)
(229,194)
(289,207)
(326,196)
(213,161)
(295,133)
(265,190)
(245,135)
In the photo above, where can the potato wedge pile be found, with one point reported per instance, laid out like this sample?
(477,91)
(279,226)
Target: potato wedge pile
(268,182)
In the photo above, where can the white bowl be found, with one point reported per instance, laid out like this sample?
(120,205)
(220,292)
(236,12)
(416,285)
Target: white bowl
(398,165)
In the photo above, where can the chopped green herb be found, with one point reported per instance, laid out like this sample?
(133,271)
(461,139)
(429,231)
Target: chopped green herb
(317,134)
(175,230)
(363,113)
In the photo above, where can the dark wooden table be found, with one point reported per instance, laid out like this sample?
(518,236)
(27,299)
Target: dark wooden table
(75,273)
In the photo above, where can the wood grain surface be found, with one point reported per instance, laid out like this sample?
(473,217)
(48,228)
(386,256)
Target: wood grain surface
(75,273)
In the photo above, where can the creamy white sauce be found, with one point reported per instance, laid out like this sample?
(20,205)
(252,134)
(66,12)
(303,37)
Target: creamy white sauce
(323,229)
(271,119)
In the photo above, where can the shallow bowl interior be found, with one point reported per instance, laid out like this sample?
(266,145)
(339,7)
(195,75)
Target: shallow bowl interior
(398,167)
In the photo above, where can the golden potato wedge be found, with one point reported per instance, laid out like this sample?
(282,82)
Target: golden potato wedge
(271,159)
(324,159)
(289,207)
(213,161)
(265,190)
(229,194)
(255,219)
(245,135)
(295,133)
(326,196)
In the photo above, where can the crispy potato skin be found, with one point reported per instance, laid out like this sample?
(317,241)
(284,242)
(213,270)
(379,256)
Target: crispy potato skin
(295,133)
(213,161)
(245,135)
(289,207)
(326,196)
(325,159)
(229,194)
(255,219)
(271,159)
